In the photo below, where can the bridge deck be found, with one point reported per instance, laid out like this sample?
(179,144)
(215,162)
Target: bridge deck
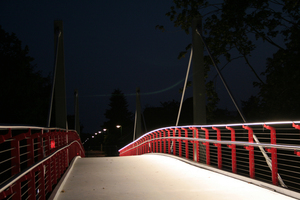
(153,177)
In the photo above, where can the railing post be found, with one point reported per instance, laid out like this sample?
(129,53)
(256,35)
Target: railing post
(145,144)
(174,142)
(207,145)
(141,146)
(164,140)
(54,170)
(296,127)
(233,150)
(251,152)
(48,172)
(31,185)
(150,144)
(179,140)
(156,141)
(15,152)
(30,149)
(273,152)
(195,144)
(160,144)
(218,145)
(42,193)
(153,143)
(169,142)
(17,190)
(186,143)
(41,151)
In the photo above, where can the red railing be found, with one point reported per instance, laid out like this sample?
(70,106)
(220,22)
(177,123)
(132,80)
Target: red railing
(241,149)
(33,159)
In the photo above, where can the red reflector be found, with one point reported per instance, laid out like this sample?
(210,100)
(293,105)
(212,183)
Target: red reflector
(52,144)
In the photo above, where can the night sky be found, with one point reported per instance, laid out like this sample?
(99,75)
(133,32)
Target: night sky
(114,45)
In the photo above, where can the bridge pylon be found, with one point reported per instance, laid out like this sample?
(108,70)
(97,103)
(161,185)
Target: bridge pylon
(138,117)
(199,100)
(58,97)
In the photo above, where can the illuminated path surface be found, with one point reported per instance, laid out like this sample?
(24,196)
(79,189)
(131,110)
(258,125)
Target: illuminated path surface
(153,177)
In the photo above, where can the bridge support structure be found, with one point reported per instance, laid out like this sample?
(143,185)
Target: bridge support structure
(138,117)
(199,100)
(76,112)
(58,97)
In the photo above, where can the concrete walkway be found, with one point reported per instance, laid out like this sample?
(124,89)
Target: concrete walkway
(153,177)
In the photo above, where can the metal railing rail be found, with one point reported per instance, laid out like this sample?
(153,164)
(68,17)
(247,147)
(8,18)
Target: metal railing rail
(231,147)
(34,159)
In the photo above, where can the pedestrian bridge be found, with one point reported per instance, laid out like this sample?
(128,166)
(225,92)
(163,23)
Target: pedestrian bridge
(223,161)
(153,176)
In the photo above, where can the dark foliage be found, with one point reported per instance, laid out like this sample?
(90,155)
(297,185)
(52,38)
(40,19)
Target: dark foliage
(25,93)
(166,115)
(118,114)
(232,29)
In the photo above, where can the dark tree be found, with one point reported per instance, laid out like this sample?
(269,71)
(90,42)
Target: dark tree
(232,29)
(162,116)
(232,26)
(24,92)
(279,97)
(118,114)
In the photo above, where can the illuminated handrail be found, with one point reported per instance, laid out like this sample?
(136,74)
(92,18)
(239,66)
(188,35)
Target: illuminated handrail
(231,147)
(34,159)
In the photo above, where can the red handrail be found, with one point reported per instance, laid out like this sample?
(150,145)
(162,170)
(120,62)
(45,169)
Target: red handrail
(243,157)
(38,158)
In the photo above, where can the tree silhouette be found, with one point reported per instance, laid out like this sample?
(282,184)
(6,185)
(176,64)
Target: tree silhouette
(118,114)
(232,30)
(279,97)
(24,93)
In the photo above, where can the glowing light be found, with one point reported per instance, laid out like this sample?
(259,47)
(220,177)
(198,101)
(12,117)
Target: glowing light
(52,144)
(118,126)
(215,125)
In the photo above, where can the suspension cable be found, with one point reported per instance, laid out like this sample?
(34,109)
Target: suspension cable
(184,87)
(221,77)
(183,92)
(268,160)
(58,32)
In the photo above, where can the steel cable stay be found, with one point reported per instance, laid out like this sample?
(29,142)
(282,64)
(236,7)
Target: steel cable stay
(58,34)
(183,92)
(268,160)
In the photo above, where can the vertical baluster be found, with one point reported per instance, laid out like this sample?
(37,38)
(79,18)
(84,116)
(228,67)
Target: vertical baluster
(179,140)
(219,146)
(251,152)
(233,150)
(186,143)
(164,140)
(160,144)
(207,145)
(195,144)
(273,152)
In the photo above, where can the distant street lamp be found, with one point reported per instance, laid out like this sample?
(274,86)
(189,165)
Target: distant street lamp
(120,127)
